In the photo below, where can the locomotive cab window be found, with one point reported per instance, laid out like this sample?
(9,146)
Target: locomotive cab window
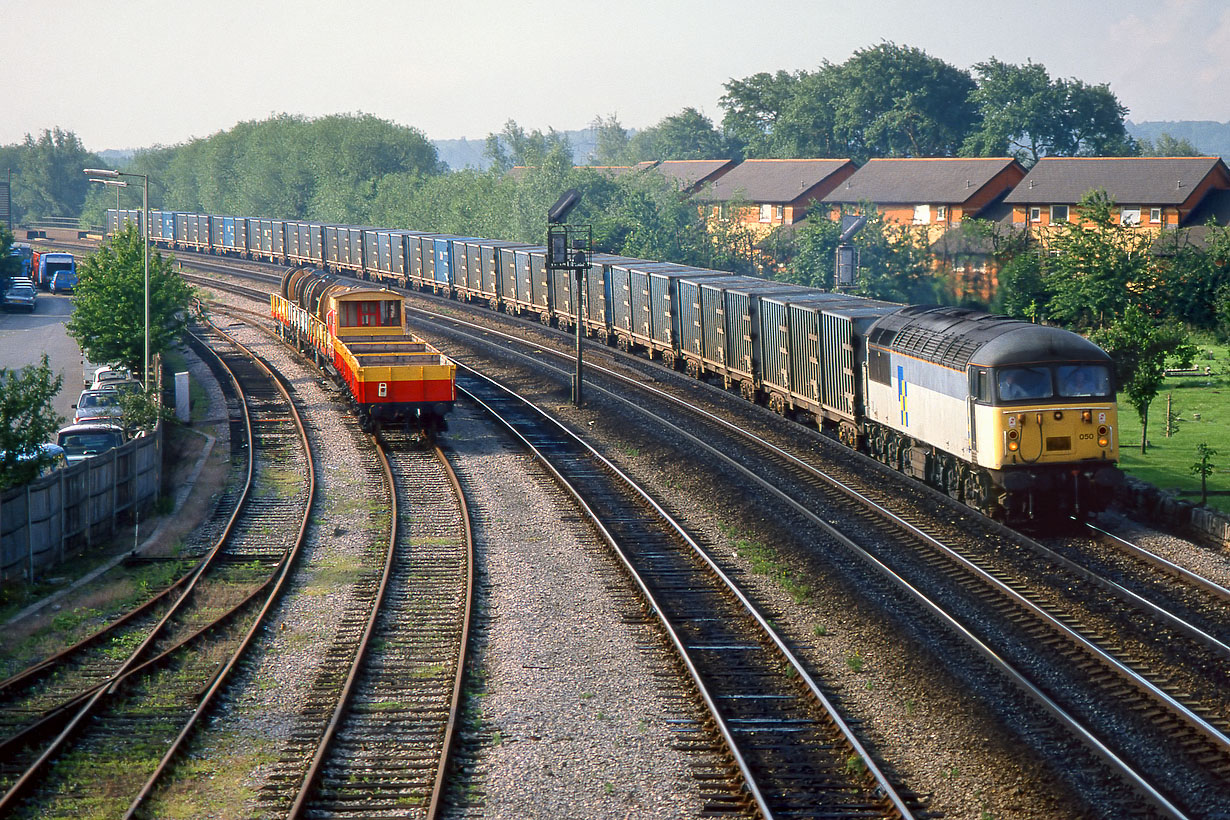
(1082,380)
(1024,383)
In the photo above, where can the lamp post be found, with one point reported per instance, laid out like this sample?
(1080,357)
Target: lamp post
(108,177)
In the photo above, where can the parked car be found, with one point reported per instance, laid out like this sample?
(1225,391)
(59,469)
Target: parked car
(98,405)
(63,281)
(54,458)
(20,297)
(82,441)
(108,375)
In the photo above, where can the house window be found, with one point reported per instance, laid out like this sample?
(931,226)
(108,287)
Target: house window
(941,213)
(1155,215)
(1059,213)
(922,214)
(766,213)
(1035,214)
(1129,216)
(779,211)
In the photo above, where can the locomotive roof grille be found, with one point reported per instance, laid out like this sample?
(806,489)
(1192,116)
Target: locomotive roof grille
(946,336)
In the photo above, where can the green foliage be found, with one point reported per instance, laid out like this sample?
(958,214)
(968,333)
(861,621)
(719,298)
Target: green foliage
(1096,269)
(1204,468)
(1023,112)
(895,261)
(9,265)
(1168,146)
(47,178)
(886,100)
(291,167)
(515,146)
(1141,347)
(686,135)
(108,318)
(27,419)
(611,140)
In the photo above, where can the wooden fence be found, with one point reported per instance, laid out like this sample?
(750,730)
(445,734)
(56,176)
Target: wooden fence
(50,519)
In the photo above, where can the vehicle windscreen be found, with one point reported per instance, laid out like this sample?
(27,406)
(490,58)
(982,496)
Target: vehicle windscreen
(79,444)
(94,401)
(53,267)
(1021,383)
(1080,380)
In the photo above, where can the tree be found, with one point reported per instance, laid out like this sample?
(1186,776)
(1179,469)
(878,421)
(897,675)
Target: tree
(898,101)
(9,266)
(1168,146)
(1023,112)
(27,419)
(753,106)
(611,141)
(1204,468)
(515,146)
(48,179)
(108,318)
(1096,266)
(1140,347)
(686,135)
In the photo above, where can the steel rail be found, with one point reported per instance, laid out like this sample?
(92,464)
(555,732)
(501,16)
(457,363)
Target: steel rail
(889,792)
(282,575)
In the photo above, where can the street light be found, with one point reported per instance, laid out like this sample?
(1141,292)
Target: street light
(109,177)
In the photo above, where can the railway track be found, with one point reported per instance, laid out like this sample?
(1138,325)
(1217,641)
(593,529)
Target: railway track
(1125,682)
(100,745)
(795,753)
(1192,730)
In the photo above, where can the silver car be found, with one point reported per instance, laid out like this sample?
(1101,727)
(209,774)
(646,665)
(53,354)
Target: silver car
(20,297)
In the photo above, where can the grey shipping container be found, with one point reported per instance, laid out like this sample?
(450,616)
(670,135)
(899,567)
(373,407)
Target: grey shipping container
(841,332)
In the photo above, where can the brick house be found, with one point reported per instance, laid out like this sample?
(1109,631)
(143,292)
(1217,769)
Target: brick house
(937,193)
(1150,192)
(763,194)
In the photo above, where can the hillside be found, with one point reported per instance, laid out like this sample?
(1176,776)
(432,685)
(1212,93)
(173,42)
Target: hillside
(1211,138)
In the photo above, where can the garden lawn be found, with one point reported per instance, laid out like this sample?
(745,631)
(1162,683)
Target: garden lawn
(1202,405)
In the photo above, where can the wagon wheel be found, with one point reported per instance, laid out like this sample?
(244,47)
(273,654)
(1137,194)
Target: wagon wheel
(623,343)
(747,390)
(693,368)
(668,359)
(777,403)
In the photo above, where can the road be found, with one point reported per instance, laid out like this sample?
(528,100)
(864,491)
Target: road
(24,337)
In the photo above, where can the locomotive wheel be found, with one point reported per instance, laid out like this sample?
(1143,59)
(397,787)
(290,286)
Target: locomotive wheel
(974,491)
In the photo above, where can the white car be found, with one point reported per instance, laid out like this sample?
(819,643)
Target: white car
(98,405)
(108,376)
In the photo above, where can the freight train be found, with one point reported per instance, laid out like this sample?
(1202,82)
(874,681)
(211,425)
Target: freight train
(1015,419)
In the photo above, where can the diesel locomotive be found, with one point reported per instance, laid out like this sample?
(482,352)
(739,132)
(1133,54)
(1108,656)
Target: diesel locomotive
(1015,419)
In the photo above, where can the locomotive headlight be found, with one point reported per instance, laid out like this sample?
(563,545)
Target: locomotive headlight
(1087,416)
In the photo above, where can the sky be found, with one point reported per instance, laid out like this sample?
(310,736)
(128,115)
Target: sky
(138,73)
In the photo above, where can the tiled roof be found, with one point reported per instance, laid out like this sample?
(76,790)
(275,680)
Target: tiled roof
(938,180)
(772,180)
(688,172)
(1128,180)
